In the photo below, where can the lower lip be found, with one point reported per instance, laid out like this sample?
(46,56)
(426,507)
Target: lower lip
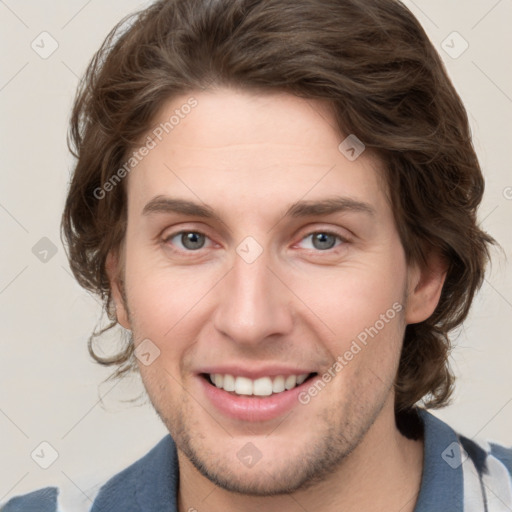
(251,408)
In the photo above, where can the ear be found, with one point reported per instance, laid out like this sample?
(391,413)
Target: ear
(424,287)
(113,267)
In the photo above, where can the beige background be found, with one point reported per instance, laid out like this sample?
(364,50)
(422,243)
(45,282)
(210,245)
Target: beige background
(50,388)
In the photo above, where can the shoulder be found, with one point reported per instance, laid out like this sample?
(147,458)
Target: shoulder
(148,484)
(42,500)
(477,470)
(488,466)
(484,453)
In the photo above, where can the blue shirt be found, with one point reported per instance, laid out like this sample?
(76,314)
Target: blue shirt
(459,475)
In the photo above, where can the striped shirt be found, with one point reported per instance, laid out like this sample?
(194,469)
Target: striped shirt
(461,474)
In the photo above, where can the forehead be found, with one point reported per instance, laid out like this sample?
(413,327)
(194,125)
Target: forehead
(237,146)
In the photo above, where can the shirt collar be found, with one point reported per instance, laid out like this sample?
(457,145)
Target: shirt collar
(442,482)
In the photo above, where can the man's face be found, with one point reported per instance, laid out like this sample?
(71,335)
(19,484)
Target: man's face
(262,295)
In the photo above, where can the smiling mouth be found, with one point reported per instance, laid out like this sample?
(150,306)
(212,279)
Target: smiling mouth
(262,387)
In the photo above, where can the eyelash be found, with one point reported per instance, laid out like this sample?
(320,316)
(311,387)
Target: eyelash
(342,239)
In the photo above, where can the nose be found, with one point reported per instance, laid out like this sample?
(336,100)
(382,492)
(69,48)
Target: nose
(253,303)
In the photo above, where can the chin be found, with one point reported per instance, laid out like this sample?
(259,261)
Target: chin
(279,470)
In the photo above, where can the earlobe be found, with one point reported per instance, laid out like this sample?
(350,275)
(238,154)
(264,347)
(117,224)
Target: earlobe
(112,267)
(425,285)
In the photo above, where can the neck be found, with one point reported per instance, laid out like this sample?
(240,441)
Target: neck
(382,473)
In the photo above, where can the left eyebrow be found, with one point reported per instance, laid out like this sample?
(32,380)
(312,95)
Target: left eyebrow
(328,206)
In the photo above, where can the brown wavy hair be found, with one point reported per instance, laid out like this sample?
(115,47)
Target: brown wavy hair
(374,64)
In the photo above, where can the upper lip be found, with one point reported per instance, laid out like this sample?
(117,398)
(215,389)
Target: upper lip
(238,370)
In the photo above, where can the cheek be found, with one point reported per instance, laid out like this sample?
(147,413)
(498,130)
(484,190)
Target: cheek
(167,304)
(359,309)
(352,297)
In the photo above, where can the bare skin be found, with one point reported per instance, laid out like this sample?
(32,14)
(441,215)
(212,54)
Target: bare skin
(299,304)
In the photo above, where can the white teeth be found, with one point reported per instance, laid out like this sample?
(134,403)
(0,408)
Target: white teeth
(264,386)
(290,382)
(243,386)
(301,378)
(278,384)
(229,383)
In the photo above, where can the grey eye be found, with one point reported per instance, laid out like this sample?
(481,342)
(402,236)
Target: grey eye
(322,241)
(190,240)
